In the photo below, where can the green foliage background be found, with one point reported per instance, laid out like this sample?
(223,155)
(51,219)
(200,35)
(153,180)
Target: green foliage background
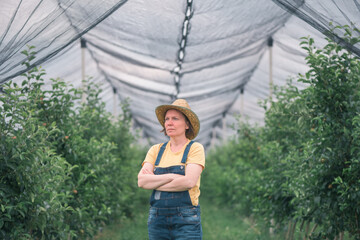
(302,166)
(66,170)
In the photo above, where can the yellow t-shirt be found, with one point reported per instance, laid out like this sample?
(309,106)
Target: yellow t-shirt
(169,158)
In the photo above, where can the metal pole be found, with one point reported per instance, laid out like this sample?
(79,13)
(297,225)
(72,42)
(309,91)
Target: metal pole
(224,126)
(242,102)
(213,136)
(83,84)
(270,45)
(114,104)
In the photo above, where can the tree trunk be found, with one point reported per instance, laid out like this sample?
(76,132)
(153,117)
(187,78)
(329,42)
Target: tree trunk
(341,237)
(313,229)
(288,231)
(307,227)
(293,230)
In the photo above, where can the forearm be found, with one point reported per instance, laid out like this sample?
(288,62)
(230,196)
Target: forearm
(182,183)
(151,181)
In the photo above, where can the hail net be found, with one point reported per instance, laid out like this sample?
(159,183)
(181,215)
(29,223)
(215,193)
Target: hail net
(219,55)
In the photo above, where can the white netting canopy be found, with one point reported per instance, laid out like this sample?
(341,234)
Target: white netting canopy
(219,55)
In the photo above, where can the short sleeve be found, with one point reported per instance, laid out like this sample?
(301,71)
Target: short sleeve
(151,154)
(196,154)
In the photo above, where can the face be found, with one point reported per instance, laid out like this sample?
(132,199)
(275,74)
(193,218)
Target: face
(175,124)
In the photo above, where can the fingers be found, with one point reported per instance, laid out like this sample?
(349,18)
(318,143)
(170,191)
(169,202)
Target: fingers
(146,171)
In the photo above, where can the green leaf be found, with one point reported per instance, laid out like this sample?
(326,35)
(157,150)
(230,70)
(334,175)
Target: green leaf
(25,52)
(306,48)
(348,31)
(42,209)
(311,41)
(6,107)
(21,213)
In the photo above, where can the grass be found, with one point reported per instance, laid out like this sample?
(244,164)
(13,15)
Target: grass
(218,223)
(222,223)
(128,229)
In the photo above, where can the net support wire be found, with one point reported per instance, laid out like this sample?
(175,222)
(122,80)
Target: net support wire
(182,45)
(116,95)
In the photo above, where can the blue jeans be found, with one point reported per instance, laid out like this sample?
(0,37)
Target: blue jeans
(180,223)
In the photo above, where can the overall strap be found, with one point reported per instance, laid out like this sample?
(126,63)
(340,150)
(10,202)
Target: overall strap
(162,149)
(186,152)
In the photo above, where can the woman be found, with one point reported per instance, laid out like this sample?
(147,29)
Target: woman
(172,170)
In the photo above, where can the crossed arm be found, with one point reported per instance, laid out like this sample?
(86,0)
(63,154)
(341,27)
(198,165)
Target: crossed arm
(169,182)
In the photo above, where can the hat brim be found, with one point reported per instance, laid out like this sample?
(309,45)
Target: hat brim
(161,110)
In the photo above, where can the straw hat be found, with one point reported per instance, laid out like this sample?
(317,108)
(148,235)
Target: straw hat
(182,106)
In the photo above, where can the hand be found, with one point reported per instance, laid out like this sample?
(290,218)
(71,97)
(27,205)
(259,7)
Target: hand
(146,171)
(171,175)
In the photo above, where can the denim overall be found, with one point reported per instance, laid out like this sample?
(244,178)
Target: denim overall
(172,215)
